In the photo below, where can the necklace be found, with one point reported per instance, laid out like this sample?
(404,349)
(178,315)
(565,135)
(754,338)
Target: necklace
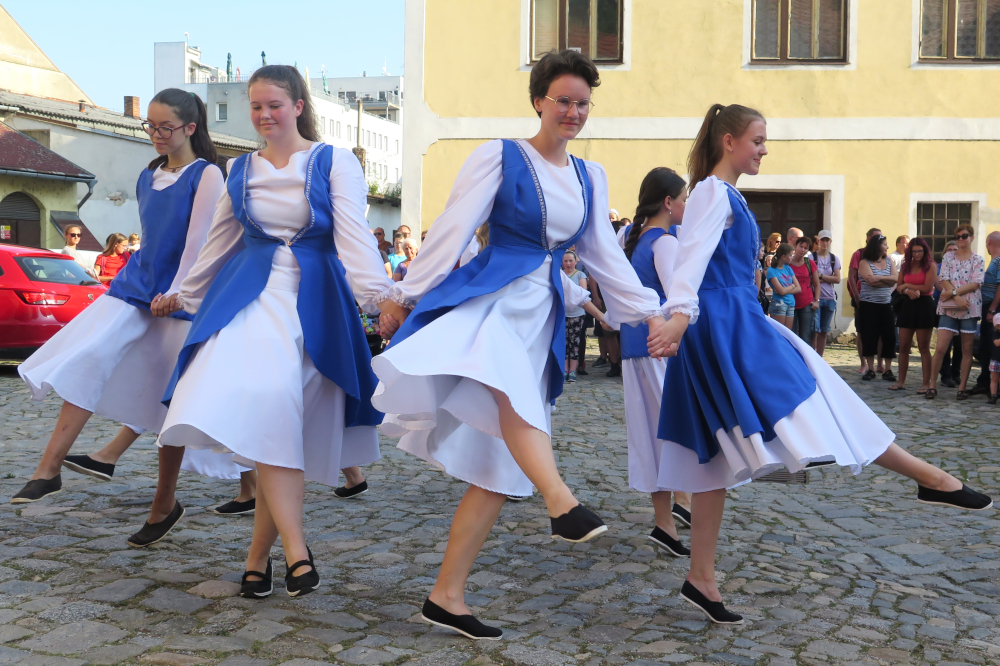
(177,168)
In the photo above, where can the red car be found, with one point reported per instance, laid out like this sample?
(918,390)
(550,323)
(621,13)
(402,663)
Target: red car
(40,292)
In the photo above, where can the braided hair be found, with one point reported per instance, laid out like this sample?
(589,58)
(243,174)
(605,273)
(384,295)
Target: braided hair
(658,184)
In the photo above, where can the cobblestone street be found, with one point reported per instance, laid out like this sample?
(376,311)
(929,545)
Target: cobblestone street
(843,570)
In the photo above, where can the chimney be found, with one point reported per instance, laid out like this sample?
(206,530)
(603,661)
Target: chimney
(83,106)
(132,107)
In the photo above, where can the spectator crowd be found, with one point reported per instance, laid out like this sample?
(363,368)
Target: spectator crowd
(118,249)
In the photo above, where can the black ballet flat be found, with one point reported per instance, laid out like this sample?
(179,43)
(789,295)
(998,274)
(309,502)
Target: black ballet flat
(36,489)
(715,610)
(257,589)
(668,543)
(820,463)
(466,625)
(578,525)
(235,508)
(151,533)
(682,515)
(86,465)
(298,586)
(344,492)
(966,498)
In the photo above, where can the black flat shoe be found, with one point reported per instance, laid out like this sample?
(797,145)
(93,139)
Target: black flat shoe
(466,625)
(966,498)
(715,610)
(90,467)
(578,525)
(615,371)
(150,534)
(344,492)
(298,586)
(888,376)
(682,515)
(257,589)
(868,376)
(37,489)
(668,543)
(235,508)
(581,372)
(820,463)
(992,400)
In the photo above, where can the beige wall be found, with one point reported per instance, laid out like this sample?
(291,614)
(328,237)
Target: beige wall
(50,195)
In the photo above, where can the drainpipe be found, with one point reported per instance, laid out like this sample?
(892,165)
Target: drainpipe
(90,193)
(52,176)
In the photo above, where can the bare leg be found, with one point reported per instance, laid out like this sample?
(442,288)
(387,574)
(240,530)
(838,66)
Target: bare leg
(265,533)
(905,339)
(114,449)
(248,486)
(684,499)
(614,350)
(968,341)
(352,476)
(897,460)
(926,361)
(706,519)
(821,343)
(870,360)
(662,510)
(68,427)
(573,364)
(943,341)
(474,518)
(166,484)
(284,488)
(532,451)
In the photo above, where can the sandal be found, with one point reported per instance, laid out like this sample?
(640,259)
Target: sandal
(888,376)
(962,395)
(922,391)
(930,394)
(868,376)
(895,387)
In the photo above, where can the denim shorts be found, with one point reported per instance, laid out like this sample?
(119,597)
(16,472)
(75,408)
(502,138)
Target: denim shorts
(780,309)
(824,315)
(949,323)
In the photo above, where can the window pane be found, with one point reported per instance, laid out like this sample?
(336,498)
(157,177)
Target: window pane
(578,35)
(965,31)
(545,32)
(939,246)
(992,29)
(765,29)
(831,29)
(800,29)
(932,36)
(952,226)
(939,228)
(608,30)
(928,211)
(939,211)
(927,228)
(965,212)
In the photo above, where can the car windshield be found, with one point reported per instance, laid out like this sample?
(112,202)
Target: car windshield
(52,269)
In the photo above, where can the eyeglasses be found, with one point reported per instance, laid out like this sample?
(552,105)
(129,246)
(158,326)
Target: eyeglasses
(563,104)
(75,235)
(163,131)
(963,236)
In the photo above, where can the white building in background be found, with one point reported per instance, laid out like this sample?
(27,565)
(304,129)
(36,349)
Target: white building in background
(178,65)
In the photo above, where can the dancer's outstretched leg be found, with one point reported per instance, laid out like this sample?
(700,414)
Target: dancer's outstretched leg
(101,464)
(700,588)
(935,486)
(46,480)
(166,511)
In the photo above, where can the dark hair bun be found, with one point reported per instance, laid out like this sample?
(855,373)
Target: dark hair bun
(558,63)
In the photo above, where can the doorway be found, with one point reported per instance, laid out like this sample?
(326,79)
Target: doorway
(20,221)
(777,212)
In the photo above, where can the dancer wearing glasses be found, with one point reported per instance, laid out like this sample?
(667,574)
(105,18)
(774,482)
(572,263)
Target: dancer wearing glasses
(490,336)
(115,358)
(728,426)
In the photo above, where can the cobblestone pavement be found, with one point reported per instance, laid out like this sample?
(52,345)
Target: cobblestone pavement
(840,570)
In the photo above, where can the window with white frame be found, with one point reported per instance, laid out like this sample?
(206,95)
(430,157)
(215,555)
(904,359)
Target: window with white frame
(593,27)
(798,31)
(222,112)
(936,223)
(322,124)
(960,31)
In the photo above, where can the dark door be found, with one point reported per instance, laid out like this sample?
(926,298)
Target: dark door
(20,221)
(779,211)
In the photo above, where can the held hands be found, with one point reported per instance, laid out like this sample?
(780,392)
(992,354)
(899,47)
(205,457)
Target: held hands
(665,335)
(392,317)
(605,326)
(164,307)
(815,305)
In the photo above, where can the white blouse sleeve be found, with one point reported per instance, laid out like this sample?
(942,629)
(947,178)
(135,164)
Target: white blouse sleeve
(574,296)
(210,188)
(664,256)
(468,207)
(628,302)
(471,252)
(356,246)
(705,218)
(225,240)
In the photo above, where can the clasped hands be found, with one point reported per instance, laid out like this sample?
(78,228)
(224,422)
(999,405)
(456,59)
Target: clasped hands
(391,318)
(164,306)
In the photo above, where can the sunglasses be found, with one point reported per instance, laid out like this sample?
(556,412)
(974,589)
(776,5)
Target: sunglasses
(963,236)
(75,235)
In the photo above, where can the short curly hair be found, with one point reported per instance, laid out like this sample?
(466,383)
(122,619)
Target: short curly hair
(557,63)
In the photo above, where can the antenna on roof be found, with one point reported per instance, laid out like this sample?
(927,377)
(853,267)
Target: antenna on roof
(186,35)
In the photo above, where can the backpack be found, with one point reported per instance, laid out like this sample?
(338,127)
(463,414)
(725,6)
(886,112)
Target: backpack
(833,263)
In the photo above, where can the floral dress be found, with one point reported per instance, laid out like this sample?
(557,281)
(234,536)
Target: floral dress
(961,273)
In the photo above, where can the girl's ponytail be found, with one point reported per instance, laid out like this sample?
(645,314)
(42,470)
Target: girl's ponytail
(658,184)
(188,108)
(707,149)
(633,234)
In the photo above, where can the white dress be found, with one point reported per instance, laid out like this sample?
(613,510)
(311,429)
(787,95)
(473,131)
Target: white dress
(251,390)
(831,424)
(435,386)
(115,359)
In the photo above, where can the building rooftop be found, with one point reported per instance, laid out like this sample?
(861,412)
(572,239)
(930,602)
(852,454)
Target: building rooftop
(19,152)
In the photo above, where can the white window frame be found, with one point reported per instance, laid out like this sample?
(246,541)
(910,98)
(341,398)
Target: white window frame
(852,44)
(977,199)
(624,66)
(218,107)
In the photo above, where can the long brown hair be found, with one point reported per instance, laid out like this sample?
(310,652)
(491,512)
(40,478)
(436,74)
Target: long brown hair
(188,108)
(113,239)
(782,250)
(288,79)
(707,149)
(658,184)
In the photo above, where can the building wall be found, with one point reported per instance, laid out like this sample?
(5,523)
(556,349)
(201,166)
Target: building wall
(25,69)
(50,195)
(383,215)
(875,135)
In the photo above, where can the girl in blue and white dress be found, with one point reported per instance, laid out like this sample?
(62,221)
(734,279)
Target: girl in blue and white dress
(727,425)
(651,245)
(115,358)
(468,377)
(276,371)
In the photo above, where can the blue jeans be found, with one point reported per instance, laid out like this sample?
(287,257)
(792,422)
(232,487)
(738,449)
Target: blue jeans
(802,326)
(780,309)
(823,316)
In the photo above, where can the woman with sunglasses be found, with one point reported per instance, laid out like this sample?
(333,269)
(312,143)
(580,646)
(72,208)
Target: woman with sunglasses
(115,358)
(468,378)
(960,306)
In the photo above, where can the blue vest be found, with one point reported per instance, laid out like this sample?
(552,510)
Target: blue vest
(518,246)
(633,338)
(164,216)
(331,327)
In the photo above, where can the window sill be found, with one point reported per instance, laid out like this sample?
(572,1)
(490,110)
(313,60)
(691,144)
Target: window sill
(956,64)
(799,65)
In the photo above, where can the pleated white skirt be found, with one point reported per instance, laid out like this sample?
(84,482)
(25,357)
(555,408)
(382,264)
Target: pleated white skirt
(251,391)
(435,386)
(115,360)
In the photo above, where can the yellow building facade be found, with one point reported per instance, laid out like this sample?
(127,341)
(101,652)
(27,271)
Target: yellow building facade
(878,112)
